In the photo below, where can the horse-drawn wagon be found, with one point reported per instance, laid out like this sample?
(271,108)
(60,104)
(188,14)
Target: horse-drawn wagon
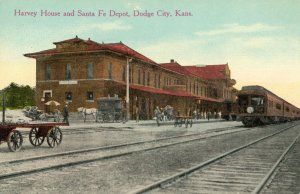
(183,120)
(35,114)
(39,131)
(110,109)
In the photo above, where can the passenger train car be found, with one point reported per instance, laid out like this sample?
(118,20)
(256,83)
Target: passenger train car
(258,105)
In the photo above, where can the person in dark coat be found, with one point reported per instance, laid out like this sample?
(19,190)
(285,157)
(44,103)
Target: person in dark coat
(66,114)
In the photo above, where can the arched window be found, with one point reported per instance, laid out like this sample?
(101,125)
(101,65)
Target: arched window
(90,72)
(139,76)
(68,72)
(48,72)
(110,71)
(144,77)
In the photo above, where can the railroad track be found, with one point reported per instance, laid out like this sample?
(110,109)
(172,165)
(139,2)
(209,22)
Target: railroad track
(66,159)
(286,176)
(127,144)
(244,169)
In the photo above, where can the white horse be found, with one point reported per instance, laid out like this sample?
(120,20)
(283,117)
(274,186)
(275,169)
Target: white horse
(87,111)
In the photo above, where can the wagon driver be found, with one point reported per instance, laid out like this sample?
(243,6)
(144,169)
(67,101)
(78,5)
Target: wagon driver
(66,114)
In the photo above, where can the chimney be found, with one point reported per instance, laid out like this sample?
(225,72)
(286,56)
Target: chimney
(172,61)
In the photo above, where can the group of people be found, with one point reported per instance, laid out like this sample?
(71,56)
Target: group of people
(207,115)
(164,114)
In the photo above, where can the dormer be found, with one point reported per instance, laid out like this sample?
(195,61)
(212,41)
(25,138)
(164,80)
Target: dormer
(71,44)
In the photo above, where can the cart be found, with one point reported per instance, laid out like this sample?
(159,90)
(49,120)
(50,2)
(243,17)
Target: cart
(38,132)
(183,120)
(110,110)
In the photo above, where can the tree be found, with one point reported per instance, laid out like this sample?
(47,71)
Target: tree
(19,96)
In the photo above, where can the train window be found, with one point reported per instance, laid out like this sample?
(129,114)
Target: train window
(287,109)
(278,106)
(242,100)
(270,104)
(257,101)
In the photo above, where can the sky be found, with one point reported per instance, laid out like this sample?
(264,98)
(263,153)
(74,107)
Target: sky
(260,40)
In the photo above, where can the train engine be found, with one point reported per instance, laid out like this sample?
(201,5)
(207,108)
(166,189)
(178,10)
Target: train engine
(258,106)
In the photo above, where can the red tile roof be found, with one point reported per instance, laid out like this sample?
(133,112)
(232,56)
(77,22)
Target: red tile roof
(208,71)
(126,50)
(174,66)
(94,46)
(72,40)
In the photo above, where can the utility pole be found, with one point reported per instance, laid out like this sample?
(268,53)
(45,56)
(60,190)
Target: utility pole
(3,107)
(127,88)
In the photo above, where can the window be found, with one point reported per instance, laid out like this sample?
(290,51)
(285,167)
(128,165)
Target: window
(144,78)
(215,93)
(68,96)
(90,95)
(90,72)
(130,75)
(110,71)
(139,76)
(257,101)
(148,79)
(158,81)
(48,72)
(68,72)
(155,80)
(124,74)
(270,104)
(278,106)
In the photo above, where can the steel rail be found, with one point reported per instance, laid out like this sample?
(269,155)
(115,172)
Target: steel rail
(118,145)
(177,176)
(261,185)
(69,164)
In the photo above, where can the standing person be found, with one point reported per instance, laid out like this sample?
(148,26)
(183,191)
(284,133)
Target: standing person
(137,113)
(66,114)
(208,115)
(124,112)
(157,115)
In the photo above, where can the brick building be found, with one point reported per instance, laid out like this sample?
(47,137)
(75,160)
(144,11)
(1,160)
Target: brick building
(80,71)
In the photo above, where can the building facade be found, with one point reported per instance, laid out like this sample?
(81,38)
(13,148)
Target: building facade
(80,71)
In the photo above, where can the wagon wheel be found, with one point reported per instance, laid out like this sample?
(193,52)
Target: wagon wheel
(191,123)
(57,117)
(187,122)
(54,137)
(14,141)
(99,117)
(34,137)
(180,123)
(175,122)
(111,117)
(119,117)
(157,119)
